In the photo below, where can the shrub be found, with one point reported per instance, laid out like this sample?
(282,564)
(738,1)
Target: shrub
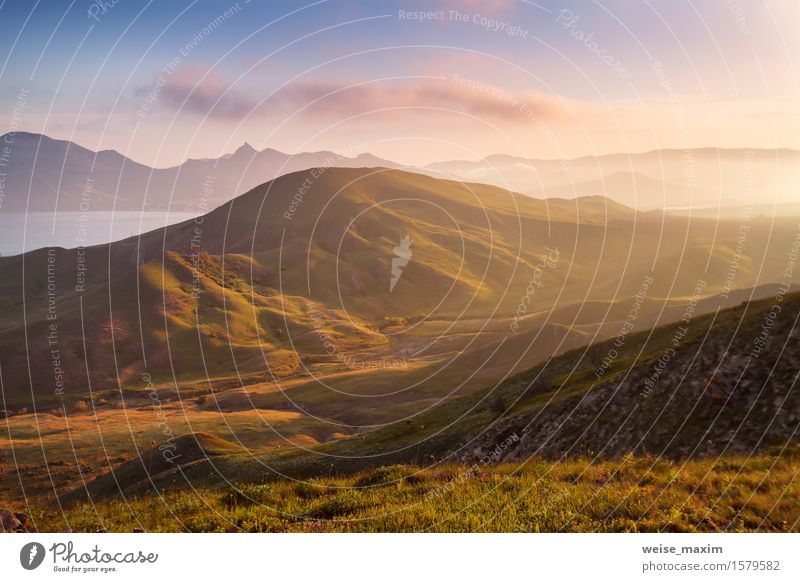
(343,504)
(309,490)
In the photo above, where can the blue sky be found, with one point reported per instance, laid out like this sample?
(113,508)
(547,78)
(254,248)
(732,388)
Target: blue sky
(163,81)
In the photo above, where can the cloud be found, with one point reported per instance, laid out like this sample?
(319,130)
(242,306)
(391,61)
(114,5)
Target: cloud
(196,89)
(205,92)
(421,96)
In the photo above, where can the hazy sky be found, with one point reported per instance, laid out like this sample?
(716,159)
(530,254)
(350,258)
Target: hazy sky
(163,81)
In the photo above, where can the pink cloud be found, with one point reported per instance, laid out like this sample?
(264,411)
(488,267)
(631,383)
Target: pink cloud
(198,89)
(205,92)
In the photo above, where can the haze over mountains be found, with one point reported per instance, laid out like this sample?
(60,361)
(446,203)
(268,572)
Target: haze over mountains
(669,178)
(46,175)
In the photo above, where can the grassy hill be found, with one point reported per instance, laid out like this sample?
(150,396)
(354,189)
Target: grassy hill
(630,494)
(243,295)
(711,446)
(712,399)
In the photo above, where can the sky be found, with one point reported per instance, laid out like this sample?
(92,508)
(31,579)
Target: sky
(411,81)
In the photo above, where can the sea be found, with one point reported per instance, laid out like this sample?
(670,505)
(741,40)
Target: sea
(20,233)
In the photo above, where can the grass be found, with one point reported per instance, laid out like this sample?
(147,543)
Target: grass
(346,485)
(56,452)
(631,494)
(678,421)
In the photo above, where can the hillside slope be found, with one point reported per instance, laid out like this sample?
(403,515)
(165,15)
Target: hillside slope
(725,389)
(287,298)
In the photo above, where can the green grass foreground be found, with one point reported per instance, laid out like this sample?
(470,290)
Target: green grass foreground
(624,495)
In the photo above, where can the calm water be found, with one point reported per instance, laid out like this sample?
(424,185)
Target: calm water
(21,233)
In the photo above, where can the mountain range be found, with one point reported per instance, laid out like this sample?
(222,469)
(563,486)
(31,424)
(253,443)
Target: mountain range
(672,179)
(42,174)
(51,175)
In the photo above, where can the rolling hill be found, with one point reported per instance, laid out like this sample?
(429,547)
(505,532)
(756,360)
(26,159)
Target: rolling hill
(273,321)
(290,284)
(703,389)
(296,328)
